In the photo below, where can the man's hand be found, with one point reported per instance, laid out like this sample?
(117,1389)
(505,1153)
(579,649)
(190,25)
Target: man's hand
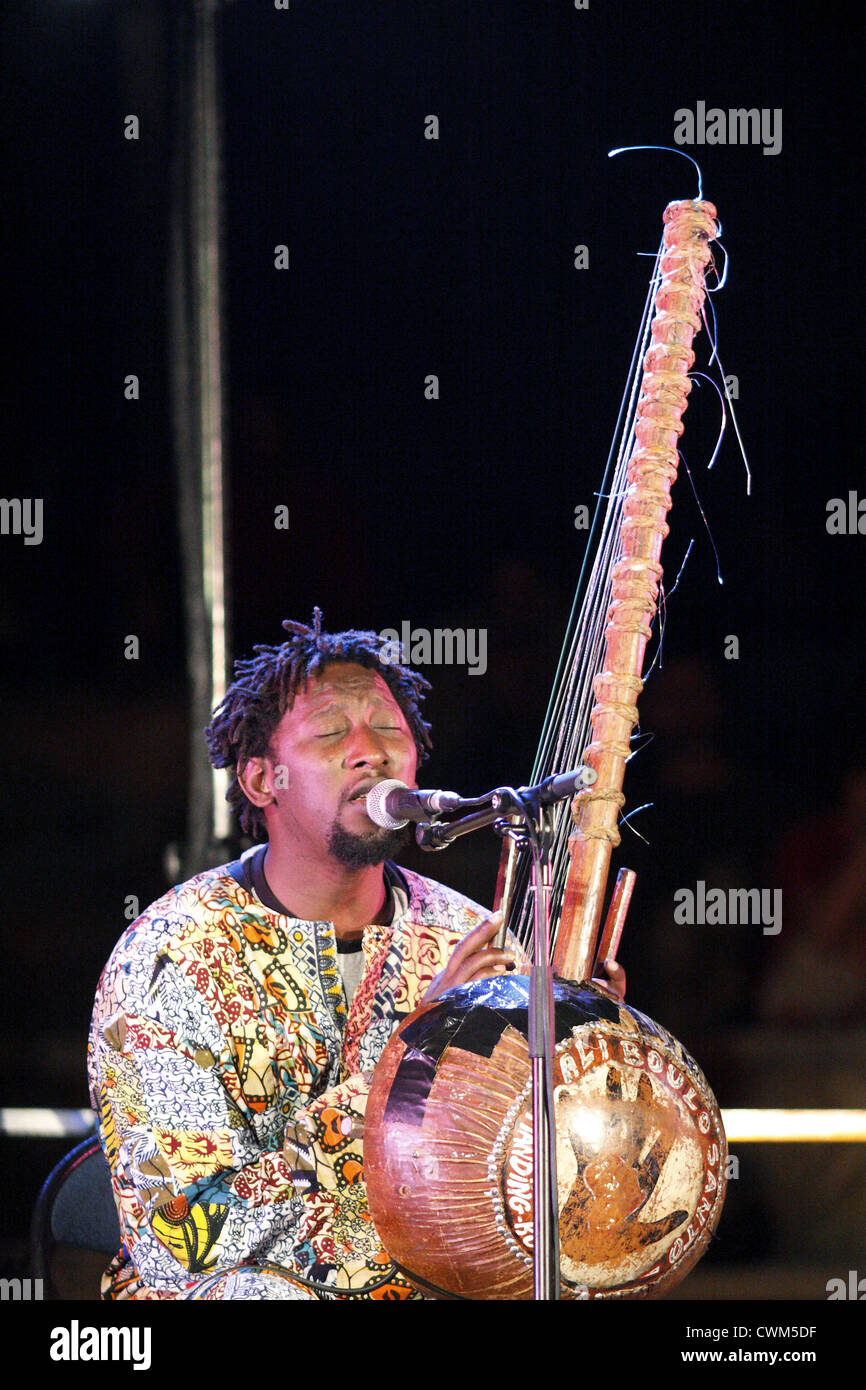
(614,985)
(472,960)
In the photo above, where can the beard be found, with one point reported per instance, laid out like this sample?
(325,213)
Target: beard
(360,851)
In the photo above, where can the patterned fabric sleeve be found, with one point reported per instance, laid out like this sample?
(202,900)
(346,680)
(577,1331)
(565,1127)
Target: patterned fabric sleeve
(200,1179)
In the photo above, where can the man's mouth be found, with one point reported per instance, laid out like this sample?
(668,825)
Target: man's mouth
(360,792)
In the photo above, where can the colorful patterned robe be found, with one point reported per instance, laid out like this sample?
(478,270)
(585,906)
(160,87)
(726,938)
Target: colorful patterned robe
(229,1084)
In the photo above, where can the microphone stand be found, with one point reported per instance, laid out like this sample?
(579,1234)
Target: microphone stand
(537,832)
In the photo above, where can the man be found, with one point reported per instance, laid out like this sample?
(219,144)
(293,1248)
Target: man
(239,1018)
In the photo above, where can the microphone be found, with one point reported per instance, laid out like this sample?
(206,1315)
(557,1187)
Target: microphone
(563,784)
(392,804)
(555,788)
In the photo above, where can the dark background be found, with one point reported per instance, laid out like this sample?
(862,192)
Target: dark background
(411,257)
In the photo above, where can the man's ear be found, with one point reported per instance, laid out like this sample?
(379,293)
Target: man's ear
(256,779)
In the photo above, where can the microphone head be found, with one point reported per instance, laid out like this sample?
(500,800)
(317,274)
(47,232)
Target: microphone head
(376,808)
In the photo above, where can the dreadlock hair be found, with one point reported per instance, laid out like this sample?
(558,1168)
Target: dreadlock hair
(266,685)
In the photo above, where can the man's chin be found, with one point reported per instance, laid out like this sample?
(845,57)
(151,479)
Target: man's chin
(361,851)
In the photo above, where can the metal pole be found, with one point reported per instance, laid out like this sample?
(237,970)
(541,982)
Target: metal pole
(545,1240)
(197,366)
(206,181)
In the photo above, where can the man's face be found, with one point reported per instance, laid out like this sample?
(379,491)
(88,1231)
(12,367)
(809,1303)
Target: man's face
(343,734)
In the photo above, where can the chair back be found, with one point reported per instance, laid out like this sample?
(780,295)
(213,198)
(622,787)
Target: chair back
(75,1210)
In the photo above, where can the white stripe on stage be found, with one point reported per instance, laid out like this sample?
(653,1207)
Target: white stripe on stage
(741,1126)
(22,1123)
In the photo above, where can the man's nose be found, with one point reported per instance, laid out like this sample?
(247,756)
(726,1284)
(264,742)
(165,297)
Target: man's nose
(367,747)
